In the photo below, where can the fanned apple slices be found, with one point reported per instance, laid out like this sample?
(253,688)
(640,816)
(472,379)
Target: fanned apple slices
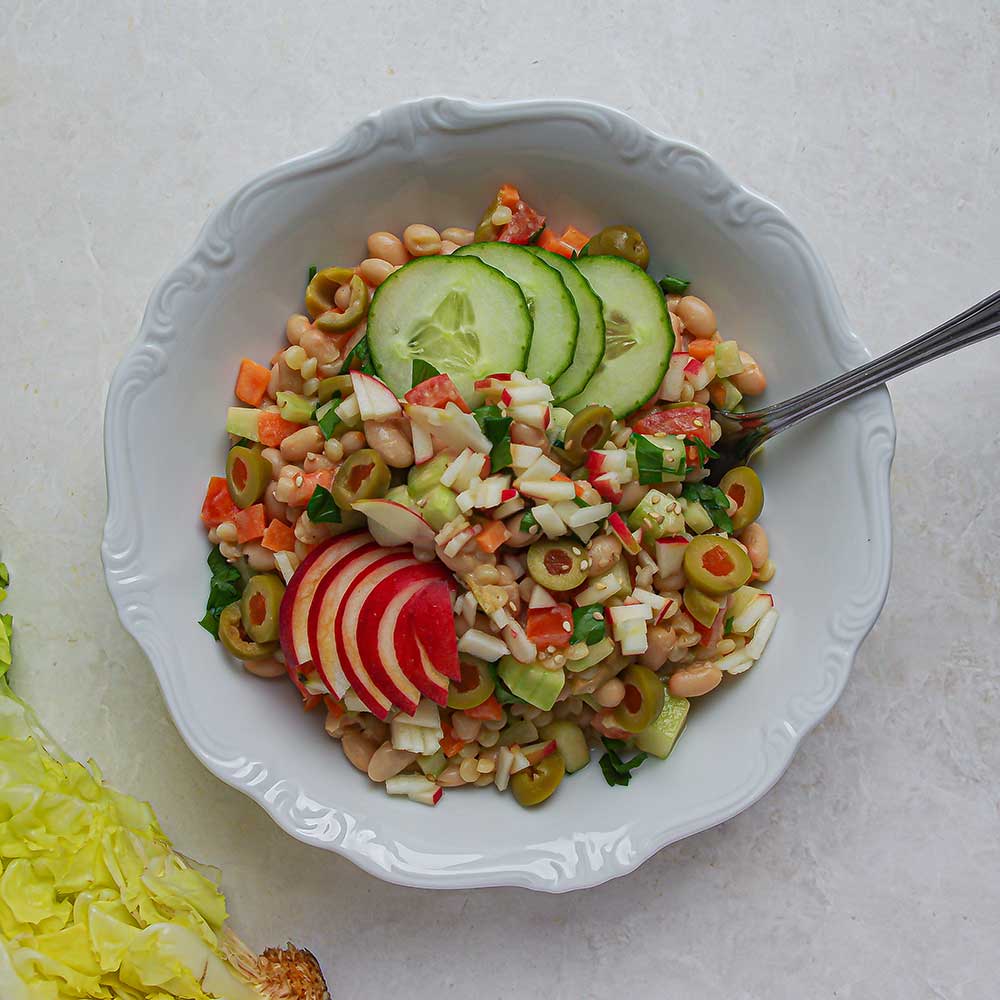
(373,619)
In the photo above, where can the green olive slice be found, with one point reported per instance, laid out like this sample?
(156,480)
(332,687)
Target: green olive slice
(475,686)
(329,387)
(247,475)
(233,637)
(742,485)
(323,287)
(259,606)
(643,699)
(716,565)
(588,430)
(702,608)
(620,241)
(333,321)
(361,476)
(556,565)
(536,784)
(488,230)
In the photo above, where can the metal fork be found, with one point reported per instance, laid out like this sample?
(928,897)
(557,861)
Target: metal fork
(744,433)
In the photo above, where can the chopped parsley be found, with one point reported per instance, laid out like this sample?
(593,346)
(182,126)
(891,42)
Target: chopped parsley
(617,771)
(312,274)
(672,285)
(715,502)
(422,371)
(226,587)
(704,451)
(359,358)
(496,427)
(326,416)
(587,628)
(528,521)
(322,508)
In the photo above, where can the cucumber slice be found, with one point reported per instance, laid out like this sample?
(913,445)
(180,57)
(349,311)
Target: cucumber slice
(555,318)
(467,319)
(590,340)
(639,336)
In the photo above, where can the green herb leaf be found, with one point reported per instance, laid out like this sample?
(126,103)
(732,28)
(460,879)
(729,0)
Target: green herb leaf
(729,625)
(312,274)
(715,502)
(322,508)
(359,358)
(704,451)
(649,460)
(672,285)
(326,416)
(587,628)
(226,587)
(617,771)
(497,428)
(501,692)
(422,371)
(528,521)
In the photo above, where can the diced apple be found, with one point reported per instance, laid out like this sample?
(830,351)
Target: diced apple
(551,491)
(670,553)
(293,616)
(376,401)
(608,486)
(548,520)
(450,426)
(523,456)
(537,752)
(620,528)
(755,647)
(537,415)
(541,470)
(391,523)
(423,444)
(753,613)
(541,598)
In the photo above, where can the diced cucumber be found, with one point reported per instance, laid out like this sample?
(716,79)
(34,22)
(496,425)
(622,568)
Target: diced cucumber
(590,341)
(657,516)
(599,651)
(401,495)
(423,478)
(695,516)
(673,457)
(639,338)
(433,765)
(570,742)
(462,316)
(727,359)
(294,408)
(536,685)
(660,736)
(438,506)
(732,396)
(553,312)
(242,421)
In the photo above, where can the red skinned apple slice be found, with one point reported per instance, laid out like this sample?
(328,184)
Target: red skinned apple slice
(411,656)
(393,524)
(434,624)
(323,613)
(346,628)
(376,401)
(378,622)
(293,616)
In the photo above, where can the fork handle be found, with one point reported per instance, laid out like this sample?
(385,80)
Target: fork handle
(977,323)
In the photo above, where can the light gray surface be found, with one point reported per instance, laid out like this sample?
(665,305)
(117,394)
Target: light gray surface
(871,869)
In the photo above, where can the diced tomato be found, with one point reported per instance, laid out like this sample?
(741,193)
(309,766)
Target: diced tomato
(218,505)
(693,420)
(549,241)
(438,391)
(250,523)
(574,238)
(710,636)
(301,495)
(523,226)
(550,626)
(508,195)
(493,535)
(490,710)
(717,561)
(251,382)
(278,537)
(272,428)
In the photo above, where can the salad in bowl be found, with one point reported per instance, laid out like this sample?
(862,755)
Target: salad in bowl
(464,508)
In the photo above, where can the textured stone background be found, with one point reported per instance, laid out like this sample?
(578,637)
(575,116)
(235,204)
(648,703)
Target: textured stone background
(873,868)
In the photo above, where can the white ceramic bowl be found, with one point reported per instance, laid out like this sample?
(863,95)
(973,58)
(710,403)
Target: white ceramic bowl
(437,161)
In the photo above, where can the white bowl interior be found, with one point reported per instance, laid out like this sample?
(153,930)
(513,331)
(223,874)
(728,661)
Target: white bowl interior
(820,511)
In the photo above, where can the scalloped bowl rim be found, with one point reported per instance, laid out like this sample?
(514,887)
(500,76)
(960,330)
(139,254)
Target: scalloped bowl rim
(121,552)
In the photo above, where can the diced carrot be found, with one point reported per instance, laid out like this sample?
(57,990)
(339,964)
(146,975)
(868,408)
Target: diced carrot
(311,702)
(251,382)
(508,195)
(701,349)
(250,523)
(717,393)
(574,238)
(450,743)
(549,241)
(560,478)
(492,536)
(334,706)
(278,537)
(272,428)
(218,505)
(490,709)
(582,487)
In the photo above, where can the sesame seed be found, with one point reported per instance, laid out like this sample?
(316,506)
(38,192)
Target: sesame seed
(584,564)
(576,551)
(655,498)
(601,586)
(550,649)
(698,422)
(299,480)
(512,606)
(567,627)
(533,530)
(598,617)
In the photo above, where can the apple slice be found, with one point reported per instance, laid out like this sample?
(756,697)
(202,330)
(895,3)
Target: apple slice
(670,553)
(620,528)
(326,603)
(377,626)
(423,444)
(377,700)
(376,401)
(293,618)
(434,623)
(413,660)
(391,523)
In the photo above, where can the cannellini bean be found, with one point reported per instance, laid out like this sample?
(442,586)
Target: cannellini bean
(342,297)
(450,777)
(447,247)
(659,641)
(309,532)
(352,441)
(273,507)
(702,396)
(334,450)
(316,463)
(261,560)
(296,446)
(694,681)
(751,381)
(321,346)
(227,532)
(387,246)
(754,539)
(273,456)
(518,538)
(387,762)
(610,693)
(421,240)
(375,270)
(388,439)
(602,553)
(632,495)
(697,316)
(296,326)
(268,669)
(359,748)
(463,237)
